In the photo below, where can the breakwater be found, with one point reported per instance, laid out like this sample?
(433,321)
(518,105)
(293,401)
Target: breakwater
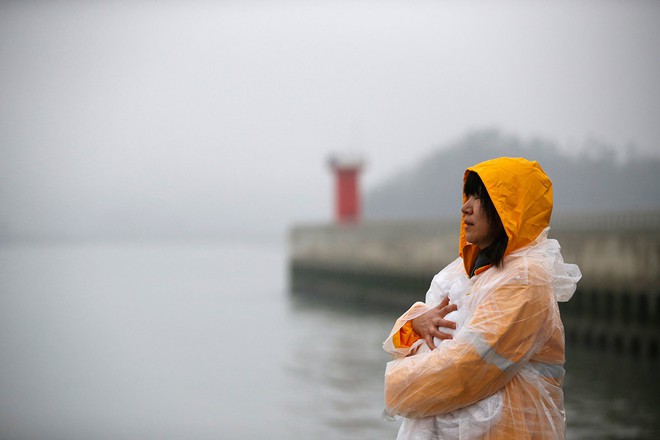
(390,265)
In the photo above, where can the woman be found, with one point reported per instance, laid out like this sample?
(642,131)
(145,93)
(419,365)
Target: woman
(501,374)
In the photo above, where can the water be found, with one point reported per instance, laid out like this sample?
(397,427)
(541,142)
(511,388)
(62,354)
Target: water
(203,341)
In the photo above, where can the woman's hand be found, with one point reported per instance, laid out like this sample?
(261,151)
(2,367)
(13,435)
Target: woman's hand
(426,325)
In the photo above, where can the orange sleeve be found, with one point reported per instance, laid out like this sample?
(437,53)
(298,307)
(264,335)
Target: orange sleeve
(405,337)
(480,359)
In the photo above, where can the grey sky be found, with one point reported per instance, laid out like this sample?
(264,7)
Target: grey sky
(196,115)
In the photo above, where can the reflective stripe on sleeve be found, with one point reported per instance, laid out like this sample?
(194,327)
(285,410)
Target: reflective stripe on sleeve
(553,371)
(488,355)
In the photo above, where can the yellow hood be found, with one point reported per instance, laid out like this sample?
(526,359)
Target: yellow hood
(522,195)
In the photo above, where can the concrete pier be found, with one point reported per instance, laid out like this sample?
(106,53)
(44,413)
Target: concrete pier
(390,265)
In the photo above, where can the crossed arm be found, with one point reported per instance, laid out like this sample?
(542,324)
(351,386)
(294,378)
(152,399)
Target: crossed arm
(501,337)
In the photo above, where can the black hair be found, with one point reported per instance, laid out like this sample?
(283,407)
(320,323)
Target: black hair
(474,186)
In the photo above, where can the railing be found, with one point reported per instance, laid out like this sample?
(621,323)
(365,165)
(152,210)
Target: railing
(644,220)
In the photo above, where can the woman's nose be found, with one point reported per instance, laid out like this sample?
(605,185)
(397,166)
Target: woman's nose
(464,208)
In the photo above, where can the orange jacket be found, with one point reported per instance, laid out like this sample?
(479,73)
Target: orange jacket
(513,341)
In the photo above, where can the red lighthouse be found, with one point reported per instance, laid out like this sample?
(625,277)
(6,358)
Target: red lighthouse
(347,193)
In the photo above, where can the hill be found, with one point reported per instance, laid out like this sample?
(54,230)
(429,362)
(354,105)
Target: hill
(591,180)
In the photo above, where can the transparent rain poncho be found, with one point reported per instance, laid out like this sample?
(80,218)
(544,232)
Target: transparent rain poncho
(500,376)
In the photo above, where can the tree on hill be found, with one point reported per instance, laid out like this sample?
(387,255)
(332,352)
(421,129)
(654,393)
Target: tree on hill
(591,181)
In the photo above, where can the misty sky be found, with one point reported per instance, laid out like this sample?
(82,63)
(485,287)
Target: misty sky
(203,116)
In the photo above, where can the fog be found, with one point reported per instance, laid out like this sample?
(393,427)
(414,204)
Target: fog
(201,118)
(209,124)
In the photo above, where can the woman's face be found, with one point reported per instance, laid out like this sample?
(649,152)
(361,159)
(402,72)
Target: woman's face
(475,222)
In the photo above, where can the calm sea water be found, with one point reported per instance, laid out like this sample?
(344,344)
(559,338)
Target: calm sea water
(203,341)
